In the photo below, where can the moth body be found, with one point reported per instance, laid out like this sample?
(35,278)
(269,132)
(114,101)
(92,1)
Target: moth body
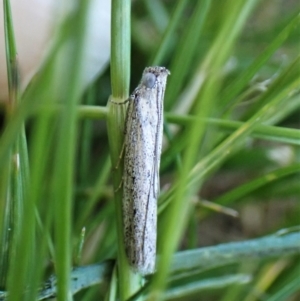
(143,143)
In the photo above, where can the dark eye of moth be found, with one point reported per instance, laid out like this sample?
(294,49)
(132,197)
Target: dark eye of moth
(149,80)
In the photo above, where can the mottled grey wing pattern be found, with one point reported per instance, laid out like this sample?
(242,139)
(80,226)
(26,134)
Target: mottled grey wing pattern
(143,140)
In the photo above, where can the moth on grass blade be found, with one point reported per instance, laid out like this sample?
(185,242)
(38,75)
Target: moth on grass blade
(143,142)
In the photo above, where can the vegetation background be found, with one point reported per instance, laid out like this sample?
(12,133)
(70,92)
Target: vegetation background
(229,169)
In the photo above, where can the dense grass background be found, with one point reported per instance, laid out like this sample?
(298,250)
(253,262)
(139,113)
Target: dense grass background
(230,164)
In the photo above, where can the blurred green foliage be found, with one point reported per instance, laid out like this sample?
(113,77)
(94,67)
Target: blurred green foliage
(232,94)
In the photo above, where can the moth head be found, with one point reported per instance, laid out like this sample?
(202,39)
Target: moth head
(149,80)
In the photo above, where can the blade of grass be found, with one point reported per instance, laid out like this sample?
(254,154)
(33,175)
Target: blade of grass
(158,13)
(96,194)
(189,262)
(86,138)
(129,282)
(18,158)
(265,132)
(203,259)
(212,63)
(11,53)
(273,99)
(245,189)
(164,46)
(64,156)
(44,90)
(267,277)
(197,287)
(185,52)
(286,291)
(232,90)
(120,49)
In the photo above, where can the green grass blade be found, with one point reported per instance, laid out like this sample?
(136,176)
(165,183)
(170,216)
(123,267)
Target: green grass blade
(285,292)
(120,49)
(185,52)
(249,187)
(213,62)
(229,94)
(164,47)
(129,282)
